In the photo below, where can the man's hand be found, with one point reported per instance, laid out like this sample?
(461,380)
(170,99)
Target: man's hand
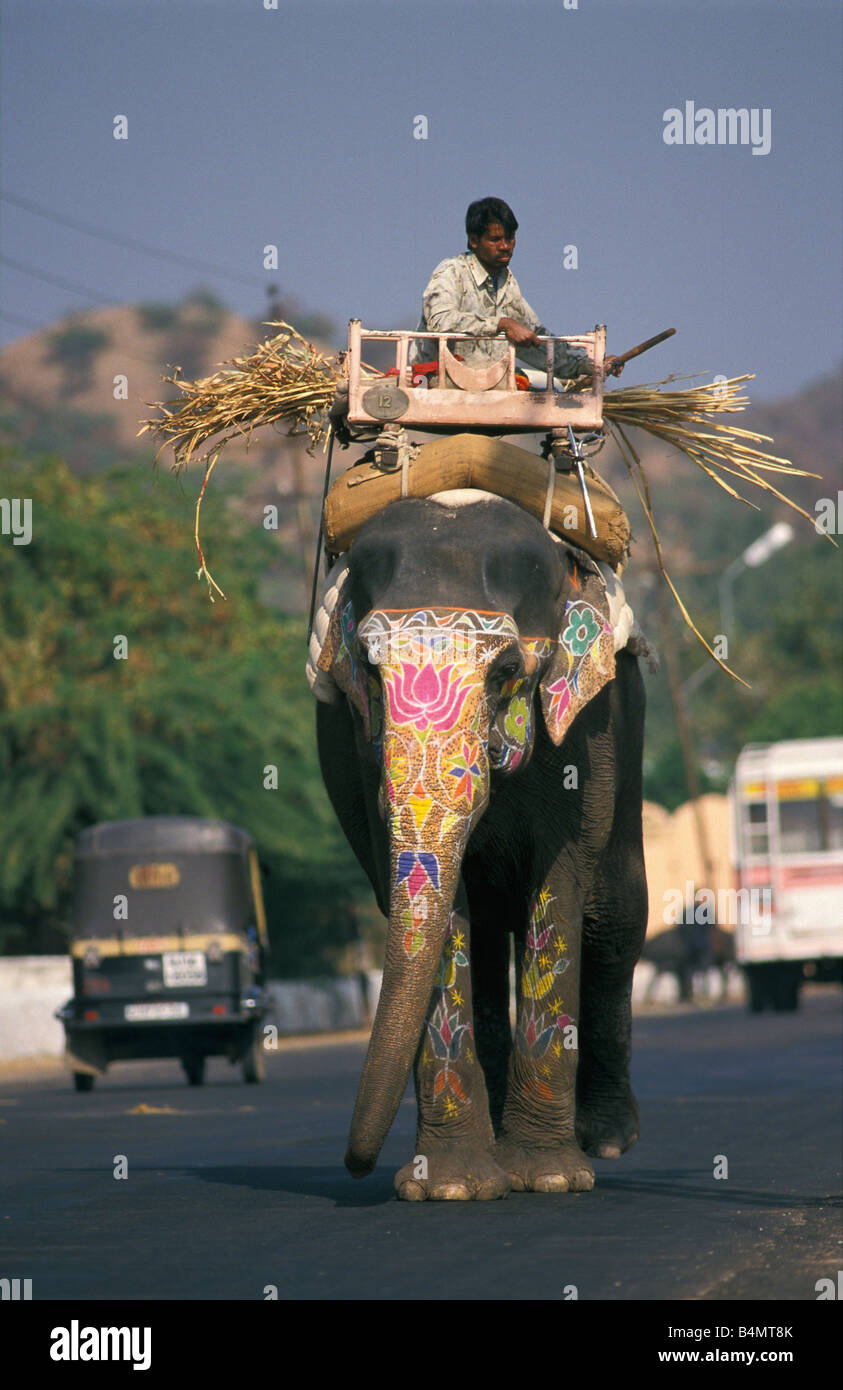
(612,366)
(518,333)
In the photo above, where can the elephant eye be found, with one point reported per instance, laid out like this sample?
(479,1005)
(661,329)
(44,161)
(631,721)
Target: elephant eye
(507,671)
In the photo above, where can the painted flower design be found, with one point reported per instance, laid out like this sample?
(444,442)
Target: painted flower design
(541,923)
(466,768)
(559,693)
(418,868)
(517,720)
(532,1037)
(446,1036)
(538,980)
(453,957)
(426,697)
(413,920)
(582,631)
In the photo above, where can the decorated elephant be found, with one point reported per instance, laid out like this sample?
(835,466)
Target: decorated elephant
(480,727)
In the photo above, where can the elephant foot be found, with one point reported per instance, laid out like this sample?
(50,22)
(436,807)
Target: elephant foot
(607,1128)
(451,1173)
(558,1168)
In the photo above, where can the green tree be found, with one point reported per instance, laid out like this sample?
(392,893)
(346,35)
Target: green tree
(208,698)
(74,348)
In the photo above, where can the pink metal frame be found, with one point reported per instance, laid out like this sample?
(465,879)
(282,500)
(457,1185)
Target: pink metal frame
(448,407)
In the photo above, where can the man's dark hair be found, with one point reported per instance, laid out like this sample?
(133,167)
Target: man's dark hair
(484,212)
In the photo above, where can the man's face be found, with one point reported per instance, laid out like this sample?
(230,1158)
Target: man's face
(493,248)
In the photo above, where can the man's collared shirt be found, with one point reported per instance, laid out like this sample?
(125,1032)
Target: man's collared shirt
(463,297)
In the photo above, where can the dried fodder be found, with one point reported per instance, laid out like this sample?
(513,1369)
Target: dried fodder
(687,421)
(286,379)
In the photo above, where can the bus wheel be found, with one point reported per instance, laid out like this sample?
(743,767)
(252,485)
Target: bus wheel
(785,989)
(83,1081)
(194,1070)
(756,984)
(252,1065)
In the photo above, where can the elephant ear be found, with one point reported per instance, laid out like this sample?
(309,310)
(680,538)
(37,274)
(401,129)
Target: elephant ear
(584,657)
(334,667)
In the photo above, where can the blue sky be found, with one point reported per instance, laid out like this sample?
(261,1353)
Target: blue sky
(294,126)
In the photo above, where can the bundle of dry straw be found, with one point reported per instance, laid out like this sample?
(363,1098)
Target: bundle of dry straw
(283,378)
(286,379)
(685,420)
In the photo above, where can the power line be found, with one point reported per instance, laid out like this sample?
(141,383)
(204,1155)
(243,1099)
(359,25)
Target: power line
(132,243)
(75,289)
(115,347)
(54,280)
(24,323)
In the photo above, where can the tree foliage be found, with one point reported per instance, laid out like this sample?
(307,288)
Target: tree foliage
(208,697)
(786,639)
(74,348)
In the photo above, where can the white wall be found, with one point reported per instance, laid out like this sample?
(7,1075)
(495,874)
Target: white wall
(33,987)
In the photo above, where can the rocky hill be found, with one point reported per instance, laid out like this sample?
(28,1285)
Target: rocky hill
(60,390)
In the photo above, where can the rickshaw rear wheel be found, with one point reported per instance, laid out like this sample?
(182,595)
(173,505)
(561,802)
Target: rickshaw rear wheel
(252,1064)
(83,1081)
(194,1070)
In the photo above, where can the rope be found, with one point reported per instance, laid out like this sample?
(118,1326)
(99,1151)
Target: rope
(551,487)
(319,538)
(405,468)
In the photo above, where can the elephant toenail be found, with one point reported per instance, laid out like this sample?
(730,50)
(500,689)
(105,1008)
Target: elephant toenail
(451,1192)
(412,1192)
(551,1182)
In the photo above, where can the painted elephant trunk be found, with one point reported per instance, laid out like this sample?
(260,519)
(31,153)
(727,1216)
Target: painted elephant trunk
(435,785)
(399,1021)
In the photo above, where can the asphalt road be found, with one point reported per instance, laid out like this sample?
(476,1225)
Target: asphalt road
(232,1188)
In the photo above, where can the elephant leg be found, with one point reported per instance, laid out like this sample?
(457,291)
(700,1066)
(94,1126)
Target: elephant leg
(613,935)
(454,1158)
(492,1028)
(538,1145)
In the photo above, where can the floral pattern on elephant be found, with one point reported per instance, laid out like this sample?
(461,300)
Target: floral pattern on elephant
(545,961)
(446,1036)
(425,697)
(517,724)
(584,628)
(418,869)
(584,662)
(446,1029)
(462,760)
(435,770)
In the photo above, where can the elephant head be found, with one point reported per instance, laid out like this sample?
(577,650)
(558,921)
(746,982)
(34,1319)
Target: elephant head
(462,634)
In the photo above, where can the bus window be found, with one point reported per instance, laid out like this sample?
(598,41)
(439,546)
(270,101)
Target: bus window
(800,827)
(756,839)
(834,812)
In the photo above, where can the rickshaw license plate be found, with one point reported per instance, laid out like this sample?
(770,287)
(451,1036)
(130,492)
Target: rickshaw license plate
(184,968)
(137,1013)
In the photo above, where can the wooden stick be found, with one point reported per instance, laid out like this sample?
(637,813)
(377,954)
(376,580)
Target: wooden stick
(645,347)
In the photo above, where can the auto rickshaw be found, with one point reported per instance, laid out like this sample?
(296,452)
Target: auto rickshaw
(169,947)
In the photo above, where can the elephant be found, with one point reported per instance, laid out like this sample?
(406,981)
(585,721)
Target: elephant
(481,741)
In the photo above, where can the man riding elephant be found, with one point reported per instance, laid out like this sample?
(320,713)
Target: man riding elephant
(476,292)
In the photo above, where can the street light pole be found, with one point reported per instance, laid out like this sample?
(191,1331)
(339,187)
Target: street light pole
(686,738)
(755,554)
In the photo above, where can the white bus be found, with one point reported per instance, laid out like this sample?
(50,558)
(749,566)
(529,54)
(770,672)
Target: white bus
(786,804)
